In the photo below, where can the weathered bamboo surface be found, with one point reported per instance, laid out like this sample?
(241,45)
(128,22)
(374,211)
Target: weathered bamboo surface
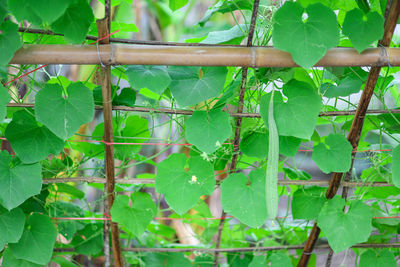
(120,54)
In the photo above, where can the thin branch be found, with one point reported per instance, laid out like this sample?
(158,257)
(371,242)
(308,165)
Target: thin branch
(232,114)
(100,180)
(243,249)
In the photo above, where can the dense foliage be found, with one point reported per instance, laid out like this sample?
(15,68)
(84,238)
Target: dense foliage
(48,140)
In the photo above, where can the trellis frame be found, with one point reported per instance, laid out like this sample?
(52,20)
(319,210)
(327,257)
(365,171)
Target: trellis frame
(209,55)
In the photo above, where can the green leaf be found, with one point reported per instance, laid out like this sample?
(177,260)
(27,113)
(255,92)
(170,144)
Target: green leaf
(258,261)
(166,260)
(127,97)
(280,259)
(349,85)
(177,4)
(307,40)
(37,241)
(307,202)
(89,240)
(194,177)
(208,130)
(24,11)
(192,85)
(363,29)
(354,226)
(11,226)
(3,9)
(49,10)
(4,100)
(9,260)
(225,6)
(298,116)
(396,166)
(65,209)
(256,144)
(75,22)
(244,198)
(30,141)
(63,113)
(9,41)
(334,155)
(18,181)
(63,262)
(137,217)
(154,78)
(232,36)
(133,129)
(373,258)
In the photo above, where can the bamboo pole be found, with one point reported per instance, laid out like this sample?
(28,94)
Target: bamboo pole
(356,127)
(101,180)
(232,114)
(255,57)
(104,30)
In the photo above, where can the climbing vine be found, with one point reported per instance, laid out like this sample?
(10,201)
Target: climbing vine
(180,150)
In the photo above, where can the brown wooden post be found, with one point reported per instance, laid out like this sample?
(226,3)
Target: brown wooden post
(104,30)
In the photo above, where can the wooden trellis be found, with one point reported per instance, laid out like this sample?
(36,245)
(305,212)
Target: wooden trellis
(148,53)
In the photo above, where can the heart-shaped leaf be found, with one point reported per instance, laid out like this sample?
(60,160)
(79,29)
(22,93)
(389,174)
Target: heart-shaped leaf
(334,155)
(354,226)
(373,258)
(75,22)
(9,260)
(298,116)
(4,99)
(349,85)
(132,130)
(363,29)
(306,40)
(9,41)
(18,181)
(30,141)
(37,241)
(208,130)
(193,176)
(154,78)
(204,83)
(89,240)
(137,217)
(256,144)
(64,112)
(396,166)
(11,226)
(49,10)
(307,202)
(245,198)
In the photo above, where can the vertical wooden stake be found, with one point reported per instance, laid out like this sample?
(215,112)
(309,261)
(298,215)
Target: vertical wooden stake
(104,30)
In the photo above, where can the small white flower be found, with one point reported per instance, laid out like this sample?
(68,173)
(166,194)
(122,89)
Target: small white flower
(194,179)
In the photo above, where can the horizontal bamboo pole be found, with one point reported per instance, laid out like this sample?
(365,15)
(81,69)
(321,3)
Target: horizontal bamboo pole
(232,114)
(152,181)
(243,249)
(120,54)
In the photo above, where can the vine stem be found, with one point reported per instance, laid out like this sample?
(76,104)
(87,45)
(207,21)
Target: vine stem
(353,137)
(238,124)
